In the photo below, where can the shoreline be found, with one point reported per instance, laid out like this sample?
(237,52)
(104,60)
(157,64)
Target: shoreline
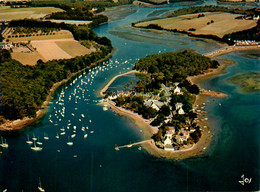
(12,125)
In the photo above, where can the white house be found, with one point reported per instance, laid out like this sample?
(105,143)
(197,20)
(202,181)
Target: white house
(179,109)
(168,142)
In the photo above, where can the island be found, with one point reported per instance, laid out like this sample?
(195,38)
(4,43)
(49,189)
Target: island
(168,103)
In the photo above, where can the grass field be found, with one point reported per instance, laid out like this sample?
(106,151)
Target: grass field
(7,13)
(224,23)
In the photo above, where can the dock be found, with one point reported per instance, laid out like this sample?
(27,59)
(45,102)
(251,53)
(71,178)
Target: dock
(117,148)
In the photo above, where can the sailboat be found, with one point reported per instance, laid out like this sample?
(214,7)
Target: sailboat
(28,141)
(40,186)
(34,138)
(57,136)
(70,143)
(45,137)
(38,142)
(4,143)
(35,148)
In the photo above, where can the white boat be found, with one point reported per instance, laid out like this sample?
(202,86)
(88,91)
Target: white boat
(91,131)
(85,136)
(38,142)
(4,143)
(28,141)
(40,186)
(45,137)
(35,148)
(62,133)
(90,121)
(34,138)
(82,115)
(74,135)
(74,127)
(70,143)
(57,136)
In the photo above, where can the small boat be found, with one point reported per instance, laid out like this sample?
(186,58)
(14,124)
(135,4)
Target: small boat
(57,136)
(34,138)
(35,148)
(38,142)
(4,143)
(62,133)
(85,136)
(74,127)
(91,131)
(40,186)
(28,141)
(70,143)
(46,137)
(74,135)
(82,115)
(89,121)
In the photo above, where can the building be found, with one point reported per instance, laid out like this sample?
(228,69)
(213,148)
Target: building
(179,109)
(177,90)
(168,142)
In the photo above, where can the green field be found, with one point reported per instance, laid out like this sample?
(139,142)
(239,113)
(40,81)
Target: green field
(247,82)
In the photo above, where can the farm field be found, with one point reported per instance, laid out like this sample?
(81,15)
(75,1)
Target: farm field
(7,13)
(47,50)
(74,48)
(223,23)
(62,34)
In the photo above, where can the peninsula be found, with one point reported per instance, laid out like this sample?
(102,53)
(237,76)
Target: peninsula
(167,104)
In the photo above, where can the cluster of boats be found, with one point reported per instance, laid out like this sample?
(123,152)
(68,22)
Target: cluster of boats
(67,116)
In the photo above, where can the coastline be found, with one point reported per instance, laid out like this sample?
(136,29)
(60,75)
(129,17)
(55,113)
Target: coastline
(150,147)
(26,121)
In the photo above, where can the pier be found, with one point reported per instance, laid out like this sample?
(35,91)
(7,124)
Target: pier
(117,148)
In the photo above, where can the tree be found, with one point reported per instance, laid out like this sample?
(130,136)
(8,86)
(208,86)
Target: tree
(165,110)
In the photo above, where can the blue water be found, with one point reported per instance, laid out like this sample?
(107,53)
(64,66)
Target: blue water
(234,150)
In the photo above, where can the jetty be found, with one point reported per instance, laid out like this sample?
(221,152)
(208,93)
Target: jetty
(117,148)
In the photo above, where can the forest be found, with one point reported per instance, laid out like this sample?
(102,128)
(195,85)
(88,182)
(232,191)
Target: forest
(171,67)
(24,88)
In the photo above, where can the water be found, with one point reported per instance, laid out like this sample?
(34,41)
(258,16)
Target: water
(98,167)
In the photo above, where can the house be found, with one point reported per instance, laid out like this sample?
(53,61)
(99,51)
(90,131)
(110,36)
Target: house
(168,142)
(179,109)
(154,104)
(177,90)
(192,130)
